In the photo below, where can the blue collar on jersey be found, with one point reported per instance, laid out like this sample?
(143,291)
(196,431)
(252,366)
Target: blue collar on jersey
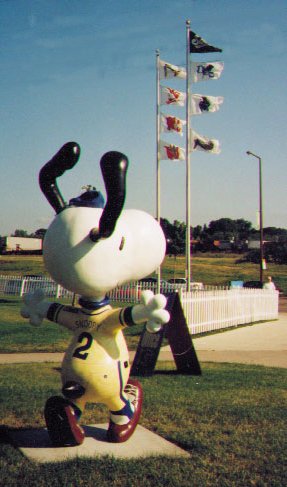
(94,304)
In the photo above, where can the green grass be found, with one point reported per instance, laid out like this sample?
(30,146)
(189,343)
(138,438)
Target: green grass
(18,336)
(232,421)
(220,269)
(212,269)
(22,264)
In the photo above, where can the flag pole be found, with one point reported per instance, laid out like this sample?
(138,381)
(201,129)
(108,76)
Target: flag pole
(187,155)
(158,209)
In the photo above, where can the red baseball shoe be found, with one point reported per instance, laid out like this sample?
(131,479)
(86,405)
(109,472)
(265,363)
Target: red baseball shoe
(119,433)
(62,424)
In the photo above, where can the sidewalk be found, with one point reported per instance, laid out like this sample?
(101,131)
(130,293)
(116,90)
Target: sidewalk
(260,344)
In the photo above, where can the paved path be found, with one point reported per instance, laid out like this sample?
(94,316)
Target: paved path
(261,344)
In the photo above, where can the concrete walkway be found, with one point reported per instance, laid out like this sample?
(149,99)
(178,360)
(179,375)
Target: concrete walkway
(262,344)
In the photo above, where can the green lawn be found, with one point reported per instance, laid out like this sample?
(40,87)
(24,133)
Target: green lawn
(213,269)
(22,264)
(220,269)
(18,336)
(232,421)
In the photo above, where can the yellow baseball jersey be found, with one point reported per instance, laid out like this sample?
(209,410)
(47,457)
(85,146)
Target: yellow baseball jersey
(97,357)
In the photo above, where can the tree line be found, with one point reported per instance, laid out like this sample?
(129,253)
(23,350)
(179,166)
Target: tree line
(224,234)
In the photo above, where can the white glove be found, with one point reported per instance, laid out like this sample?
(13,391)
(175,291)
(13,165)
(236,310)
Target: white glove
(35,308)
(151,310)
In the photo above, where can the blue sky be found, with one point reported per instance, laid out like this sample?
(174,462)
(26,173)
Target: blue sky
(84,70)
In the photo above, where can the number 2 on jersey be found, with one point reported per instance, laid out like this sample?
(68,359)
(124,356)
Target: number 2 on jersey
(87,340)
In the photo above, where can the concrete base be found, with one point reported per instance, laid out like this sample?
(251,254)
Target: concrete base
(36,446)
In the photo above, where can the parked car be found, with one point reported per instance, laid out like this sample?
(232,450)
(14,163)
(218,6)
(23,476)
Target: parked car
(196,286)
(253,284)
(181,282)
(177,280)
(151,283)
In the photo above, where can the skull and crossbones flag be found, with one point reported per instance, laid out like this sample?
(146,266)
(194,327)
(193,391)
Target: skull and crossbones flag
(198,45)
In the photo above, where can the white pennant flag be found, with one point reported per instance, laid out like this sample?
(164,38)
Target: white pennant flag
(169,96)
(206,71)
(205,104)
(169,123)
(170,151)
(167,70)
(202,143)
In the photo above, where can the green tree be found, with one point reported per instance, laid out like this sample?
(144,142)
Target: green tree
(20,233)
(196,231)
(40,233)
(175,236)
(276,252)
(228,229)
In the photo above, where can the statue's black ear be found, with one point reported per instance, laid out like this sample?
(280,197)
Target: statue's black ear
(64,160)
(114,167)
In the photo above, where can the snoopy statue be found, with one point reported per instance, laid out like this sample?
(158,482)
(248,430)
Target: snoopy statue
(90,248)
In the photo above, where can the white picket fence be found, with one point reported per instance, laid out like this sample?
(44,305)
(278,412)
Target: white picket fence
(205,310)
(213,310)
(18,286)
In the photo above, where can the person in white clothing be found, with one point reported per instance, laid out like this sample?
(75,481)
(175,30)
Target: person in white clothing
(269,284)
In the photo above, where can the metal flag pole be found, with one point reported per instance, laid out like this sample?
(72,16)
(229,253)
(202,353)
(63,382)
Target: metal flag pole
(249,153)
(187,156)
(157,156)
